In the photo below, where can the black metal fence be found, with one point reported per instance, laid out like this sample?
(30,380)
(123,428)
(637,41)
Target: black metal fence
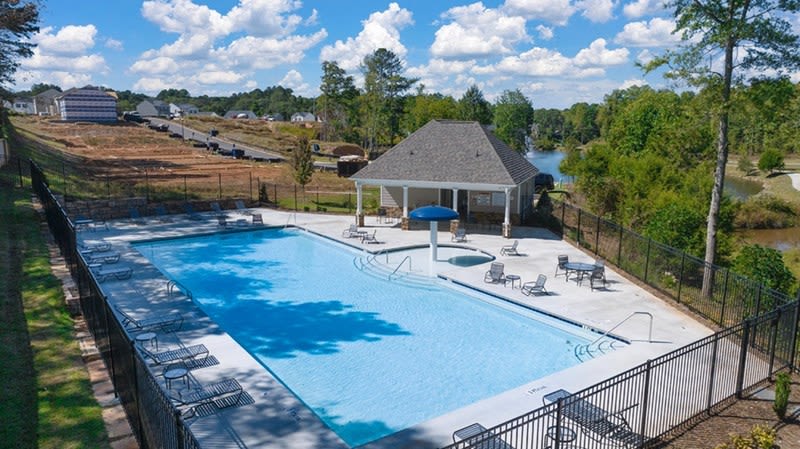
(672,272)
(638,408)
(155,421)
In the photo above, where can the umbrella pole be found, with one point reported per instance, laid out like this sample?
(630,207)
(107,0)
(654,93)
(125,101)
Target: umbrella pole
(434,232)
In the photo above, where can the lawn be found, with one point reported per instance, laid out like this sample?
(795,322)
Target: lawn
(46,397)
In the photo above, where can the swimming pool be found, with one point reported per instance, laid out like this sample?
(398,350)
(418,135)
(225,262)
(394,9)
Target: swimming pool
(369,356)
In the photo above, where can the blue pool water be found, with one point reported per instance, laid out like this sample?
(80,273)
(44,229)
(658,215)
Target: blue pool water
(369,356)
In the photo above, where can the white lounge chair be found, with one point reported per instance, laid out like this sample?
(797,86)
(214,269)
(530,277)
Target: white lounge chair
(496,274)
(222,393)
(530,288)
(170,321)
(195,354)
(241,208)
(510,250)
(102,273)
(257,219)
(370,238)
(459,236)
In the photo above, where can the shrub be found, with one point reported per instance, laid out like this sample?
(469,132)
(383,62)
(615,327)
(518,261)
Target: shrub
(782,390)
(746,165)
(760,437)
(770,160)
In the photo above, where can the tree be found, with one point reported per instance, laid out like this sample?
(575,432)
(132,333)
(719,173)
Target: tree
(745,165)
(473,107)
(770,160)
(335,104)
(302,163)
(764,265)
(750,35)
(18,19)
(423,108)
(513,115)
(383,89)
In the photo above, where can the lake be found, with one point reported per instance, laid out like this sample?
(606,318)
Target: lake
(547,162)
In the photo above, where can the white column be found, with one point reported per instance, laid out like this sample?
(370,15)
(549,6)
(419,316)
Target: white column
(455,200)
(434,243)
(405,201)
(507,219)
(359,211)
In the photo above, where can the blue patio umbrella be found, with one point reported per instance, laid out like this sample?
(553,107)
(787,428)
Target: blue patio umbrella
(433,214)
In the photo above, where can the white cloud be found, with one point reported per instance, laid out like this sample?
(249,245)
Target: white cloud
(477,31)
(69,40)
(556,12)
(545,33)
(67,80)
(644,56)
(632,82)
(157,65)
(210,77)
(640,8)
(294,80)
(255,53)
(547,63)
(183,16)
(440,67)
(598,55)
(114,44)
(655,33)
(597,11)
(264,17)
(380,30)
(151,86)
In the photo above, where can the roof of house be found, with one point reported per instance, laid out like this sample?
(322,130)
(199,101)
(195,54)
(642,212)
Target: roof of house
(451,151)
(48,94)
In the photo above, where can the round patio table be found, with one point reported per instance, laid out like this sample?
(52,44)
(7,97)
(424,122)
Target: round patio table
(580,268)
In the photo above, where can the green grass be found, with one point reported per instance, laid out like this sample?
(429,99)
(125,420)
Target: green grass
(46,397)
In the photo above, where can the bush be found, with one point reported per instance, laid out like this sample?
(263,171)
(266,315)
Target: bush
(760,438)
(782,390)
(746,165)
(770,160)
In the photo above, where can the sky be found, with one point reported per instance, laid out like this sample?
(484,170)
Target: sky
(556,52)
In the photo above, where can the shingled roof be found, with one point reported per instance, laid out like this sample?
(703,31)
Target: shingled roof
(450,152)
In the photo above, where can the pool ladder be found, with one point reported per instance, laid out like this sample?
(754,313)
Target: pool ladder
(602,344)
(407,258)
(173,285)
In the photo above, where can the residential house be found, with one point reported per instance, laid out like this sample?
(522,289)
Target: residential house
(87,104)
(182,110)
(303,117)
(153,108)
(241,115)
(276,117)
(22,105)
(44,103)
(455,164)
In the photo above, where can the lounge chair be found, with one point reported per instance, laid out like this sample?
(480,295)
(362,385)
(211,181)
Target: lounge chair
(599,424)
(191,213)
(195,354)
(353,232)
(171,321)
(94,247)
(162,214)
(510,250)
(222,393)
(496,274)
(459,236)
(94,257)
(475,436)
(222,222)
(563,260)
(242,209)
(530,288)
(370,238)
(217,210)
(102,273)
(136,217)
(598,276)
(258,219)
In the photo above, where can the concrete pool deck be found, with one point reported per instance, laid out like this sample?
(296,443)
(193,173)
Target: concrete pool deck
(273,417)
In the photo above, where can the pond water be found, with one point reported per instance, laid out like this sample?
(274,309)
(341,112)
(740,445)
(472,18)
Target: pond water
(547,162)
(741,189)
(781,239)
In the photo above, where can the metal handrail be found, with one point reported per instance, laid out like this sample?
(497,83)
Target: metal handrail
(408,258)
(649,336)
(289,218)
(171,284)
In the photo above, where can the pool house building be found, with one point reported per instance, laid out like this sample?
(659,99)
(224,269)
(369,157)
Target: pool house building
(457,164)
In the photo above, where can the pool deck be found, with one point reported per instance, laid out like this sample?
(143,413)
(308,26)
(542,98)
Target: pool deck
(273,417)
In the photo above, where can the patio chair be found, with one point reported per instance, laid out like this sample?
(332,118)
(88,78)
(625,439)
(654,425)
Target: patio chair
(459,236)
(161,213)
(563,260)
(102,273)
(598,276)
(370,238)
(599,424)
(510,250)
(496,274)
(195,354)
(530,288)
(217,209)
(222,222)
(172,321)
(94,257)
(222,393)
(242,209)
(94,247)
(258,219)
(191,213)
(353,232)
(476,436)
(136,217)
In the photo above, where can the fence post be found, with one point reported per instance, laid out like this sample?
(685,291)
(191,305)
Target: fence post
(713,376)
(64,179)
(758,300)
(742,358)
(295,197)
(185,190)
(772,338)
(724,297)
(275,196)
(251,187)
(563,212)
(317,198)
(647,259)
(181,434)
(146,187)
(680,275)
(219,177)
(795,320)
(619,247)
(19,168)
(108,188)
(578,229)
(645,401)
(135,385)
(597,238)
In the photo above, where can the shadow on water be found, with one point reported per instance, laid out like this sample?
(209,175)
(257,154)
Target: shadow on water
(314,328)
